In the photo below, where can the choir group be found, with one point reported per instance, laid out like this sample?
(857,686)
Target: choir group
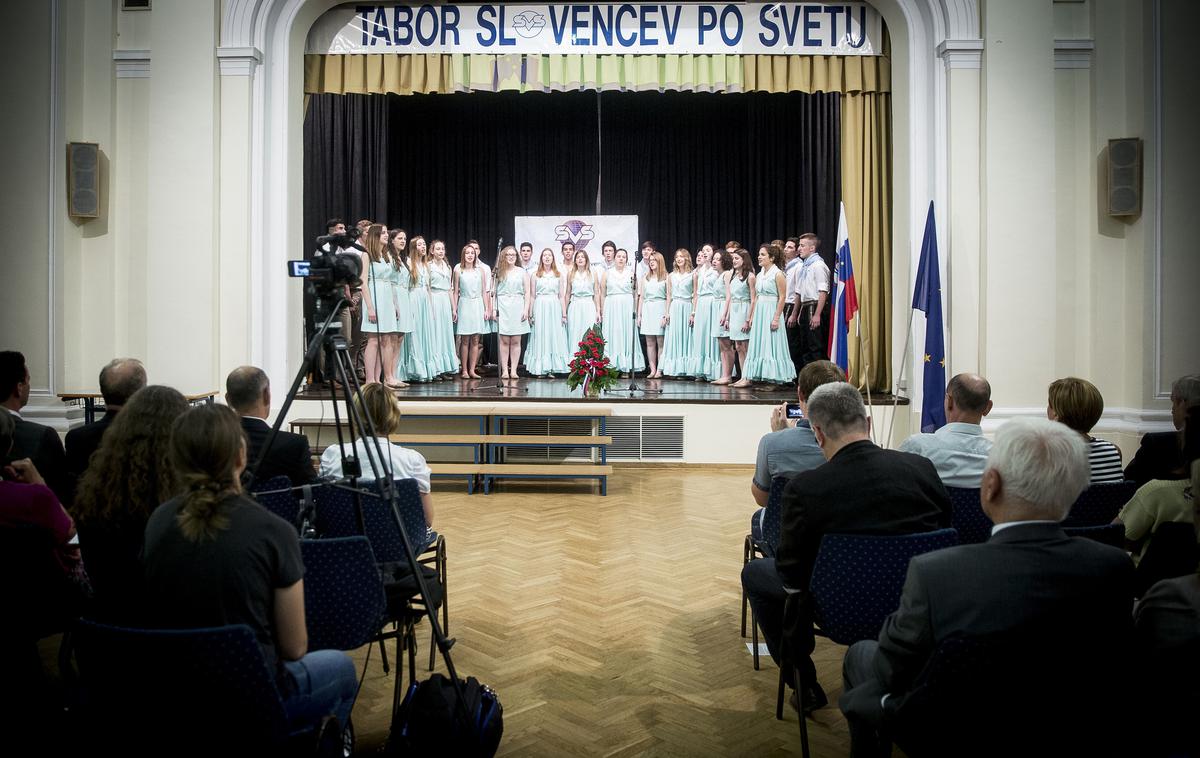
(423,318)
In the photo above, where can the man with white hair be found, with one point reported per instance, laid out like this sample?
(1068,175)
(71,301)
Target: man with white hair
(1030,591)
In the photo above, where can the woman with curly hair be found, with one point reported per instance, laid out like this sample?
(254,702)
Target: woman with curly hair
(129,475)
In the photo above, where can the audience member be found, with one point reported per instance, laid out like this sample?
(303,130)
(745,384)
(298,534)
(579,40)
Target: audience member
(1029,582)
(791,448)
(215,557)
(248,392)
(1158,456)
(958,450)
(379,404)
(130,474)
(1078,404)
(118,381)
(26,501)
(1167,628)
(1158,502)
(40,444)
(863,489)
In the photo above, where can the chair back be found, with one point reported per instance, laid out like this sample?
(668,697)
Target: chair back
(336,517)
(276,495)
(412,514)
(772,518)
(967,515)
(857,579)
(211,685)
(1100,503)
(343,593)
(1109,534)
(335,514)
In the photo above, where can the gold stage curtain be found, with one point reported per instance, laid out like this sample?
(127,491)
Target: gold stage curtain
(867,194)
(432,73)
(865,83)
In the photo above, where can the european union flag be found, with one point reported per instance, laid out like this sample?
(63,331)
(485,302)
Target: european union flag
(927,298)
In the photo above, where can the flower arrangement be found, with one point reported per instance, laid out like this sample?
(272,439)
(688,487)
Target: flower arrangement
(589,367)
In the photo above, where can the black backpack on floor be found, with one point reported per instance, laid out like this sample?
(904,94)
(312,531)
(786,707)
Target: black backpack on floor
(427,720)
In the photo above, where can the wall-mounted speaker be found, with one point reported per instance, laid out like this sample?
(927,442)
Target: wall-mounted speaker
(1124,176)
(83,179)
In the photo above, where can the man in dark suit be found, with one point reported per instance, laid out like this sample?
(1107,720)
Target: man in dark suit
(38,443)
(118,381)
(248,392)
(1035,595)
(863,489)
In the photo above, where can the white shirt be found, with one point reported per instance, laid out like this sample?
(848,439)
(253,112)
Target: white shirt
(958,451)
(809,282)
(792,278)
(404,463)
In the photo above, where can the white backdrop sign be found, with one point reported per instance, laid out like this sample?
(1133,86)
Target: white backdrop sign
(853,28)
(585,232)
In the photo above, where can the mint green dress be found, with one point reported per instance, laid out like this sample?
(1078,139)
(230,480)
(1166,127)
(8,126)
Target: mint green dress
(414,363)
(706,360)
(442,355)
(739,307)
(378,286)
(547,350)
(654,306)
(622,345)
(470,302)
(676,359)
(510,304)
(767,356)
(581,309)
(403,298)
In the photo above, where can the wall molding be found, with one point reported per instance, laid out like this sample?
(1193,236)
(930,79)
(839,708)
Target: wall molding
(239,61)
(132,64)
(1073,53)
(961,53)
(1137,421)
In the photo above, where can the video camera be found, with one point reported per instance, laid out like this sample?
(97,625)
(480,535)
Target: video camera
(328,271)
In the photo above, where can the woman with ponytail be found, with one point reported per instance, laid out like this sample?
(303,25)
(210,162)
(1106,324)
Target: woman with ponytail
(215,557)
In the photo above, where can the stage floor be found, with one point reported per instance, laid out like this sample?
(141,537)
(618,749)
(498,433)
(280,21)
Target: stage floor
(676,391)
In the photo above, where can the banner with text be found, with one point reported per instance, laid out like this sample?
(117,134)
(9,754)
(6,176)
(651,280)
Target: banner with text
(601,28)
(587,233)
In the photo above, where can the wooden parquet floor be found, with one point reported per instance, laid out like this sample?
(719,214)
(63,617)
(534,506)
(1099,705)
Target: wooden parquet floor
(609,626)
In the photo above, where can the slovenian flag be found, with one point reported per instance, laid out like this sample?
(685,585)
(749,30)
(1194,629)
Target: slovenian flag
(927,297)
(845,297)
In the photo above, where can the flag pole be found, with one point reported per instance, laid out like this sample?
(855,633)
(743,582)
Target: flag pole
(900,375)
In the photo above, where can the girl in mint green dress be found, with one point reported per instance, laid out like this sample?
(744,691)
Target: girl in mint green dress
(768,358)
(514,300)
(548,324)
(442,356)
(582,312)
(722,263)
(470,300)
(740,308)
(676,359)
(652,309)
(378,307)
(414,351)
(619,325)
(705,363)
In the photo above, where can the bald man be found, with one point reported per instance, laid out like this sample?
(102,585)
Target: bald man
(248,392)
(958,450)
(119,379)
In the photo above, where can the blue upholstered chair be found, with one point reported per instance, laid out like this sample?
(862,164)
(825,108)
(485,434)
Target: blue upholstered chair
(1100,503)
(967,515)
(276,495)
(855,585)
(344,603)
(146,690)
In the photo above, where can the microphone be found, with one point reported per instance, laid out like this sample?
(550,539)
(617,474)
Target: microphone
(499,244)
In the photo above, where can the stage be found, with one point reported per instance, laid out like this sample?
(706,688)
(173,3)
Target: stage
(534,390)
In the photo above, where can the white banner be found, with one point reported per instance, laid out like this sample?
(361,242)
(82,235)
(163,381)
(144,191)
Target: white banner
(587,233)
(599,28)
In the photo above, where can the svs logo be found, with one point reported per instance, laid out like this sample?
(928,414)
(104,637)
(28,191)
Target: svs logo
(574,231)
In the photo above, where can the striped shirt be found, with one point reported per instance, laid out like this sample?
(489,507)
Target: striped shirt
(1104,460)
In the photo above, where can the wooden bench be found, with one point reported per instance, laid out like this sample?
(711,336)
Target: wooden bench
(487,448)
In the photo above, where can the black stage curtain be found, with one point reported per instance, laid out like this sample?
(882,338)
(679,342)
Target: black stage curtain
(693,167)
